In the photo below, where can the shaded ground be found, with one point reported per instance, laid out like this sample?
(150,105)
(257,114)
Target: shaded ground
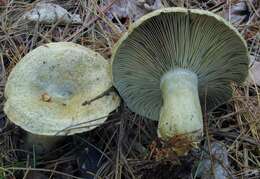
(123,144)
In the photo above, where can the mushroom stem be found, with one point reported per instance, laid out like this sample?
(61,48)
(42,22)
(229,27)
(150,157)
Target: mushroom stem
(181,113)
(41,143)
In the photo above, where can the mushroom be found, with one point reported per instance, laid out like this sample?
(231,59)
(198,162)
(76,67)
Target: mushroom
(171,61)
(59,89)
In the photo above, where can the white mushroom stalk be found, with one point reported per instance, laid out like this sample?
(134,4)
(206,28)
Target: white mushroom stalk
(181,110)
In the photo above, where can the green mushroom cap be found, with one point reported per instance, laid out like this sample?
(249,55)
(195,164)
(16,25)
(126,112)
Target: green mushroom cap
(177,38)
(60,89)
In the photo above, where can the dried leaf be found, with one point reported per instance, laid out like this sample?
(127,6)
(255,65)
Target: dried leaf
(49,13)
(132,9)
(220,160)
(238,13)
(254,73)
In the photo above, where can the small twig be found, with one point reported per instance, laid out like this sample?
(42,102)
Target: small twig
(207,134)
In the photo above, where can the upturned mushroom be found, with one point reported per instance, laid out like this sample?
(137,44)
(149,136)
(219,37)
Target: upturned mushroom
(173,60)
(59,89)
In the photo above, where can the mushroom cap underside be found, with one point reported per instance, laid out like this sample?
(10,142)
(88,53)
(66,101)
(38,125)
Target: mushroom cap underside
(173,38)
(60,89)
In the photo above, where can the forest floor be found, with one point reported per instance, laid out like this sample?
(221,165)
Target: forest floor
(124,146)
